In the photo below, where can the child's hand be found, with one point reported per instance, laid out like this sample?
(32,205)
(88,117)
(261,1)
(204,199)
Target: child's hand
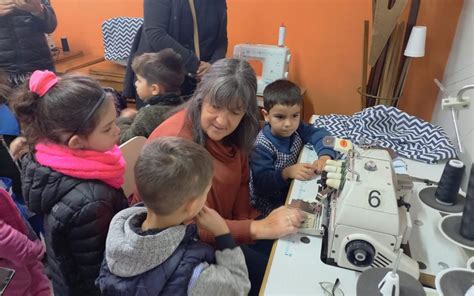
(211,221)
(299,171)
(318,165)
(129,113)
(18,147)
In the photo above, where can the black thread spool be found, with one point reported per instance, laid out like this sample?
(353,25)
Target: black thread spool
(64,44)
(467,221)
(450,182)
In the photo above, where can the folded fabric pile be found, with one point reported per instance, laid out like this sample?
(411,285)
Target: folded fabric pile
(390,127)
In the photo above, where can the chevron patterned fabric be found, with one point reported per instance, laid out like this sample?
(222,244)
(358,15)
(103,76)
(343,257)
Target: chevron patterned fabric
(118,34)
(390,127)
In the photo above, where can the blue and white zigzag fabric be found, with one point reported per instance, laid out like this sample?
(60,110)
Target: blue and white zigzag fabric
(390,127)
(118,34)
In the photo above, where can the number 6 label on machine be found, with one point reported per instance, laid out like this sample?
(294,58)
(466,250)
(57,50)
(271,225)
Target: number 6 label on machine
(374,198)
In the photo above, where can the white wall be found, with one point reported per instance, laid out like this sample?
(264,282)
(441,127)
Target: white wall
(458,73)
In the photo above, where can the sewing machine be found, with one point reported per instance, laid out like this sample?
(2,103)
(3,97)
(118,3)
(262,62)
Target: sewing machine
(368,218)
(363,207)
(275,60)
(299,262)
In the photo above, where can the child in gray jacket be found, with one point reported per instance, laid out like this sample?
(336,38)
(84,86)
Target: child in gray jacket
(153,249)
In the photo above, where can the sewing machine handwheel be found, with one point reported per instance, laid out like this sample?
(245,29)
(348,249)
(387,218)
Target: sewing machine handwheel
(360,253)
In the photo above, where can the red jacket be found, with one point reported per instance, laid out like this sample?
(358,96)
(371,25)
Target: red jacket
(229,194)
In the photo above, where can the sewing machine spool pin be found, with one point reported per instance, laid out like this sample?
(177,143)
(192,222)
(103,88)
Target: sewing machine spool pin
(352,154)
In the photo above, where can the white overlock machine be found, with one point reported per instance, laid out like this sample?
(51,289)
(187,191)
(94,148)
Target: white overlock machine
(362,210)
(274,59)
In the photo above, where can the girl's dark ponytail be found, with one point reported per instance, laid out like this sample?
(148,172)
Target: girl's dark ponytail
(24,104)
(61,110)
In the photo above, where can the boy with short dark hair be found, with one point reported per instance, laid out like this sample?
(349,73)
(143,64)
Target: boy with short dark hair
(159,78)
(274,160)
(152,250)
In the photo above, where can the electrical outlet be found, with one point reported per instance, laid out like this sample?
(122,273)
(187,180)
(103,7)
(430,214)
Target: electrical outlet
(450,103)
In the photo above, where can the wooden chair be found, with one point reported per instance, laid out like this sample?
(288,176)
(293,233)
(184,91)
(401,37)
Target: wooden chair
(130,151)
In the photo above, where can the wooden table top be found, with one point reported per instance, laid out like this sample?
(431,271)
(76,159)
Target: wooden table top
(73,61)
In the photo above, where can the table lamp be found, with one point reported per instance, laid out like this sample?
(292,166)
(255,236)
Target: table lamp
(415,49)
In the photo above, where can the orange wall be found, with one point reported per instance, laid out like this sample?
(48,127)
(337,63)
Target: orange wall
(325,41)
(324,36)
(80,20)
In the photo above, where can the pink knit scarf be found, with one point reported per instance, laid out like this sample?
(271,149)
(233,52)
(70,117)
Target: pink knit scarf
(108,166)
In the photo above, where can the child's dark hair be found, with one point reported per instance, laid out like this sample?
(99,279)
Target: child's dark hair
(5,87)
(283,92)
(164,68)
(170,171)
(61,112)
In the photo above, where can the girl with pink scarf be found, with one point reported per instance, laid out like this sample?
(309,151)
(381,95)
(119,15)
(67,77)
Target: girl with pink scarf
(73,173)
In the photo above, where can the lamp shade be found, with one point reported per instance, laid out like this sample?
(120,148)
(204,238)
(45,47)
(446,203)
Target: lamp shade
(416,44)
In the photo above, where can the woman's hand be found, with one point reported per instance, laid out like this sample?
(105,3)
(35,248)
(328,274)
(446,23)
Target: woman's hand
(203,67)
(278,223)
(32,6)
(6,6)
(211,221)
